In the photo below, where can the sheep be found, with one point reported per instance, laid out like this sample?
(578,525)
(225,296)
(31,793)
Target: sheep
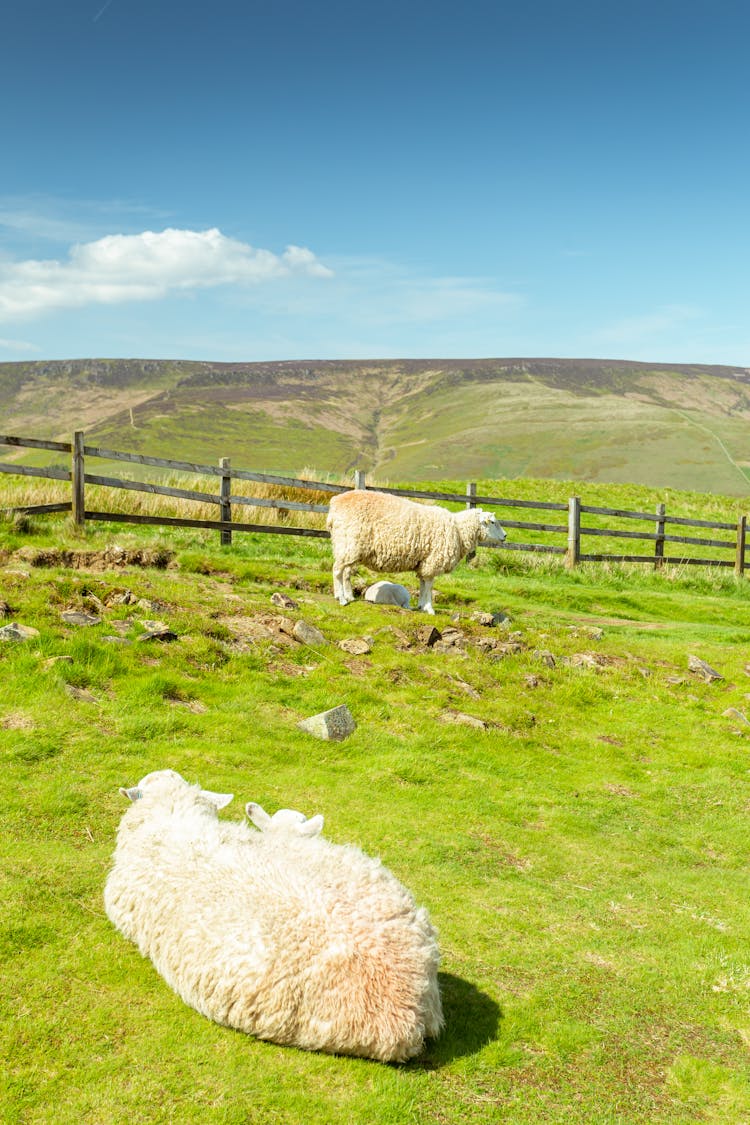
(390,533)
(388,593)
(292,939)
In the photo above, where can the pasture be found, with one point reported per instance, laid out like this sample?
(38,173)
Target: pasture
(567,798)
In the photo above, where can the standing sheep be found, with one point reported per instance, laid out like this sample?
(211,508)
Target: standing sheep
(390,533)
(288,937)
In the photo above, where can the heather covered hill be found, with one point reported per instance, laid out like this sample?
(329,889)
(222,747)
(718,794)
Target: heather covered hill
(673,425)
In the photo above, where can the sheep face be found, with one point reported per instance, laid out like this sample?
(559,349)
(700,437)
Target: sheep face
(284,821)
(163,780)
(490,529)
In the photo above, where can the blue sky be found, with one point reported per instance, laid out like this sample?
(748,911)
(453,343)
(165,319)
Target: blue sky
(272,179)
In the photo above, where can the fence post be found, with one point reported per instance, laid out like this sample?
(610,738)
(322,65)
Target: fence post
(359,478)
(739,558)
(471,491)
(661,511)
(225,508)
(573,553)
(77,480)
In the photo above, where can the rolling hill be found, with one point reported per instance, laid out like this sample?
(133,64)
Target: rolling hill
(670,425)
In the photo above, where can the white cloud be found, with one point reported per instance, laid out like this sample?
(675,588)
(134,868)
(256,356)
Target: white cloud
(636,329)
(144,267)
(17,346)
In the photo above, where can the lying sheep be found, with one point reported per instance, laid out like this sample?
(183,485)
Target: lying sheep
(292,939)
(390,533)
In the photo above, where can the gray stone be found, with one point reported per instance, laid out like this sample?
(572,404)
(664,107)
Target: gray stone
(334,725)
(308,634)
(705,671)
(463,719)
(355,646)
(388,593)
(80,694)
(157,631)
(546,658)
(283,600)
(16,632)
(733,713)
(80,618)
(428,635)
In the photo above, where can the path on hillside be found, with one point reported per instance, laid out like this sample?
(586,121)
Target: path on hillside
(717,439)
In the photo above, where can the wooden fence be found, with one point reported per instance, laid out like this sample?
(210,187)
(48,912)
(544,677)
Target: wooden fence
(571,528)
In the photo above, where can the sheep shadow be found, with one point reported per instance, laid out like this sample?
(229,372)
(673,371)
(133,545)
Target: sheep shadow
(472,1019)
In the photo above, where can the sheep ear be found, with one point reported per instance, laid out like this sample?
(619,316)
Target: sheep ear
(312,827)
(218,800)
(257,815)
(131,794)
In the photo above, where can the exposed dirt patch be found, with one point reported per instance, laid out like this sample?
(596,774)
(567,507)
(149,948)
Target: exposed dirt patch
(93,560)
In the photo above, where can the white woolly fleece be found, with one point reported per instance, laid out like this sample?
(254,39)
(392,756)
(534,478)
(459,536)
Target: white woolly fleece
(294,940)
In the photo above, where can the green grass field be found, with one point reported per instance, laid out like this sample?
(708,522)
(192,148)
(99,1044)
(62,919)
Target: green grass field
(583,854)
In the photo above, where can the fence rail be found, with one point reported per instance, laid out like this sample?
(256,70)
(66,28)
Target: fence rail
(225,500)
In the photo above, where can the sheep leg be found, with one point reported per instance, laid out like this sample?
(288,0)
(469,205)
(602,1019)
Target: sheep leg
(342,584)
(425,594)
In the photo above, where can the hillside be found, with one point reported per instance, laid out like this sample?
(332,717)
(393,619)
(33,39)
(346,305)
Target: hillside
(671,425)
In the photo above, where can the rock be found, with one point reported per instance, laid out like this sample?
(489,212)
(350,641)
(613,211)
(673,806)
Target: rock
(486,644)
(80,618)
(463,719)
(157,631)
(462,684)
(51,661)
(308,634)
(355,646)
(121,597)
(334,725)
(358,667)
(489,620)
(532,681)
(705,671)
(114,640)
(546,658)
(428,635)
(16,632)
(733,713)
(388,593)
(80,694)
(5,609)
(283,600)
(150,606)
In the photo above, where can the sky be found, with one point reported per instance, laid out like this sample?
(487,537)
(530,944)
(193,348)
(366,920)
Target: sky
(250,180)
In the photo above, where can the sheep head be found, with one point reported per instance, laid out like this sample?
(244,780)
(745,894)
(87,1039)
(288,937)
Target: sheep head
(284,821)
(166,779)
(490,530)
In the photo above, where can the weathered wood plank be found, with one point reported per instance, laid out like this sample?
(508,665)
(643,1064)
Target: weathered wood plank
(35,443)
(210,525)
(559,528)
(292,505)
(156,462)
(539,548)
(652,536)
(497,501)
(41,509)
(155,489)
(676,560)
(31,471)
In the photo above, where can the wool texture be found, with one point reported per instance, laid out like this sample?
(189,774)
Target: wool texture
(295,940)
(391,533)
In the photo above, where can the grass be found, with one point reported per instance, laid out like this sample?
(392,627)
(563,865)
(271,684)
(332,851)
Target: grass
(584,857)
